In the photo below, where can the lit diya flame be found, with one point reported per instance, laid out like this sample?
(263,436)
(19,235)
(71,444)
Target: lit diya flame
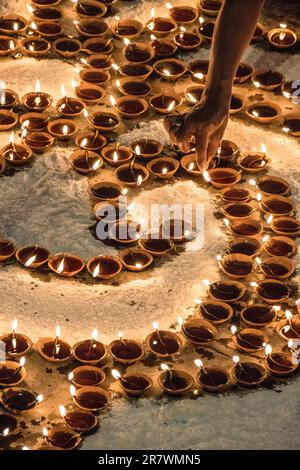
(226,223)
(206,176)
(164,367)
(169,5)
(269,219)
(265,238)
(198,301)
(30,261)
(29,8)
(259,197)
(115,67)
(116,374)
(74,83)
(233,330)
(96,165)
(5,432)
(201,19)
(63,91)
(16,27)
(14,326)
(39,398)
(252,182)
(71,376)
(258,260)
(72,390)
(2,93)
(268,349)
(191,166)
(61,266)
(253,284)
(115,156)
(62,411)
(286,129)
(191,97)
(126,42)
(22,362)
(118,84)
(171,106)
(180,321)
(33,25)
(166,72)
(256,83)
(112,100)
(198,363)
(65,130)
(45,432)
(206,282)
(236,359)
(139,180)
(85,113)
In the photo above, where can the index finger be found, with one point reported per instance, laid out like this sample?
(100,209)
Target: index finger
(201,149)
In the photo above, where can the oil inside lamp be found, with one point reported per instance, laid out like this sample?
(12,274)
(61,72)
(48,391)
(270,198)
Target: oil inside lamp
(182,14)
(163,343)
(90,140)
(178,230)
(35,46)
(237,210)
(129,106)
(110,212)
(104,121)
(272,185)
(259,315)
(54,349)
(289,328)
(78,420)
(245,246)
(226,291)
(162,47)
(107,191)
(61,437)
(87,376)
(198,331)
(134,384)
(12,373)
(189,164)
(91,27)
(174,381)
(212,378)
(90,8)
(133,86)
(91,350)
(32,256)
(280,246)
(8,119)
(142,71)
(156,244)
(246,228)
(214,311)
(248,374)
(67,46)
(117,154)
(221,177)
(90,398)
(12,24)
(126,351)
(66,264)
(135,259)
(163,103)
(8,98)
(137,52)
(126,27)
(17,400)
(16,344)
(45,13)
(291,124)
(210,7)
(163,167)
(250,340)
(34,122)
(263,112)
(272,290)
(104,267)
(254,162)
(206,29)
(236,194)
(287,226)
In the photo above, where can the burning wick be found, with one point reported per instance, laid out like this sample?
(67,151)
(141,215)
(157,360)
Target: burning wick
(56,347)
(93,340)
(37,100)
(166,368)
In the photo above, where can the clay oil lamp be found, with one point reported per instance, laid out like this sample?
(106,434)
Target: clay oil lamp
(282,37)
(66,264)
(170,69)
(32,257)
(34,122)
(291,124)
(104,121)
(110,211)
(243,73)
(137,52)
(161,26)
(126,28)
(267,80)
(147,148)
(126,351)
(164,104)
(259,33)
(274,185)
(90,8)
(163,343)
(90,351)
(245,228)
(156,245)
(7,249)
(287,89)
(99,61)
(91,27)
(259,315)
(187,41)
(237,103)
(277,205)
(106,191)
(124,232)
(133,86)
(280,364)
(16,154)
(189,164)
(8,98)
(54,349)
(249,340)
(18,400)
(94,75)
(271,291)
(197,331)
(178,230)
(78,420)
(222,177)
(286,226)
(245,246)
(214,311)
(134,384)
(90,140)
(237,210)
(129,107)
(163,47)
(97,45)
(49,29)
(12,24)
(104,266)
(12,373)
(135,259)
(210,7)
(67,47)
(236,265)
(16,344)
(45,13)
(85,162)
(37,101)
(90,398)
(254,162)
(45,3)
(8,46)
(280,246)
(289,328)
(206,29)
(236,194)
(89,93)
(142,71)
(163,167)
(199,70)
(8,119)
(212,378)
(62,129)
(39,142)
(193,94)
(182,14)
(263,112)
(248,374)
(87,376)
(8,425)
(174,381)
(227,151)
(226,291)
(61,437)
(116,155)
(132,174)
(69,107)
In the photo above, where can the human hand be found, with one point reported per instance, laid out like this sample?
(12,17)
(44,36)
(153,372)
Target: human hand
(205,124)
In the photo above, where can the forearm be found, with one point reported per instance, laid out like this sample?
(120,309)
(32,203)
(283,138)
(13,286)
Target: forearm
(233,32)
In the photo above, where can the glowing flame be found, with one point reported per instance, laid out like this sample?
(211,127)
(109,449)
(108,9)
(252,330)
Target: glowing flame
(112,100)
(226,223)
(191,166)
(283,25)
(29,8)
(276,308)
(12,138)
(258,260)
(164,367)
(199,75)
(288,315)
(126,41)
(14,325)
(269,219)
(30,261)
(5,432)
(191,97)
(265,238)
(256,83)
(115,156)
(152,13)
(264,148)
(166,72)
(63,91)
(57,331)
(198,301)
(83,142)
(61,266)
(72,390)
(236,359)
(206,282)
(65,130)
(22,361)
(253,284)
(138,265)
(286,129)
(71,376)
(201,20)
(11,44)
(169,5)
(38,86)
(115,67)
(164,171)
(180,321)
(290,343)
(155,325)
(206,176)
(45,432)
(259,197)
(198,363)
(171,106)
(85,113)
(116,374)
(137,150)
(282,36)
(139,180)
(233,329)
(120,335)
(62,411)
(255,113)
(268,349)
(39,398)
(16,26)
(252,182)
(95,334)
(96,165)
(219,257)
(33,25)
